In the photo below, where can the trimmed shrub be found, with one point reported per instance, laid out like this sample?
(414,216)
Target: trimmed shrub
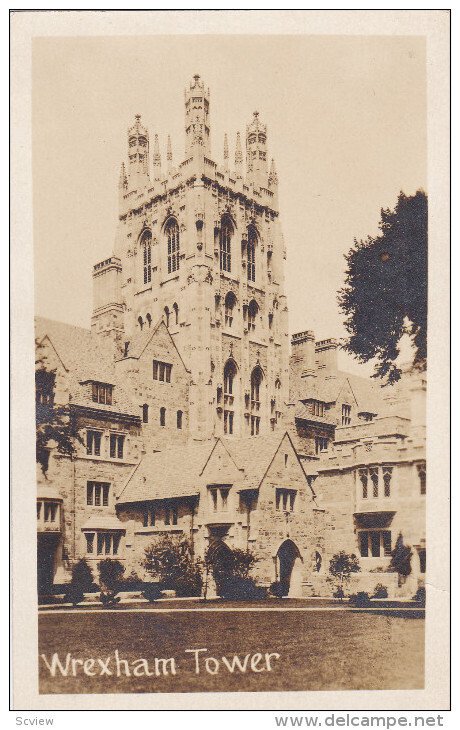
(109,598)
(152,592)
(242,589)
(420,595)
(80,583)
(74,595)
(380,591)
(189,586)
(360,599)
(279,589)
(132,582)
(110,578)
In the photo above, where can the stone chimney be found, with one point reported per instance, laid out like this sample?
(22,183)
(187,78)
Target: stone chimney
(326,356)
(303,354)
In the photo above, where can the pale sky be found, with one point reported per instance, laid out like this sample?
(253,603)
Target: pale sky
(346,121)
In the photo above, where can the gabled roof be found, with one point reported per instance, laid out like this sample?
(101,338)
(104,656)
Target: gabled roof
(142,338)
(327,389)
(85,357)
(173,472)
(181,471)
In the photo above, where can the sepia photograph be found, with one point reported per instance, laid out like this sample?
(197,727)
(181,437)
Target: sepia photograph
(230,263)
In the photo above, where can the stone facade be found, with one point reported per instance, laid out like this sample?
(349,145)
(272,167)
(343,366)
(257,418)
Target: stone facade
(191,418)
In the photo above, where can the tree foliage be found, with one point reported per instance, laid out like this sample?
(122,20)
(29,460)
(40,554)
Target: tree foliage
(385,292)
(401,558)
(171,560)
(110,574)
(341,566)
(236,563)
(56,425)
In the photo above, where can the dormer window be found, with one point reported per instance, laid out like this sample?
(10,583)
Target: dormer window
(346,415)
(318,408)
(102,393)
(162,371)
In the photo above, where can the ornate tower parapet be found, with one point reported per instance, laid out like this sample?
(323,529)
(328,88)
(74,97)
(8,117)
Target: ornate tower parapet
(138,155)
(256,152)
(197,129)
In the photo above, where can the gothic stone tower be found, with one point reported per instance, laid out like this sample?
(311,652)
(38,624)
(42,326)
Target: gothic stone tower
(200,245)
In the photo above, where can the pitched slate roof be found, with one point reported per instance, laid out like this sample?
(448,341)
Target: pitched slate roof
(327,389)
(181,471)
(173,472)
(85,357)
(254,455)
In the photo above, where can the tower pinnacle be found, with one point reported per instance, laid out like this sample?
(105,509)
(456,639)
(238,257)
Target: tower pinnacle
(197,127)
(256,151)
(226,151)
(138,154)
(238,157)
(169,154)
(272,177)
(156,159)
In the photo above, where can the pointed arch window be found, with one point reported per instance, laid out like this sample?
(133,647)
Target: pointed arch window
(146,246)
(166,317)
(225,245)
(256,383)
(145,413)
(172,235)
(230,301)
(176,313)
(252,241)
(229,396)
(253,310)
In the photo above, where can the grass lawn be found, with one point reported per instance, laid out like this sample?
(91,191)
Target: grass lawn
(318,651)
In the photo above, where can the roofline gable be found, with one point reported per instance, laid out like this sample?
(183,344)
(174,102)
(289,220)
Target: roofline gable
(47,337)
(148,341)
(217,441)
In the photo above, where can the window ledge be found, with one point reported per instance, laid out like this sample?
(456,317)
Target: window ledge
(142,291)
(173,277)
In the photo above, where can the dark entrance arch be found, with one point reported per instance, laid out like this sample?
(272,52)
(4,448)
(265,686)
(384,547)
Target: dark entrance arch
(218,560)
(289,567)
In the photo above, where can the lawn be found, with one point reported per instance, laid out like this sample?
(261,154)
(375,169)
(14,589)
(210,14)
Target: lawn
(320,650)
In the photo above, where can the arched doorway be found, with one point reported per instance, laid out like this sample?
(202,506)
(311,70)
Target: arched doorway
(218,561)
(289,565)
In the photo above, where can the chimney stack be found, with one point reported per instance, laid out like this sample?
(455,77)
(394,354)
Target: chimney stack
(303,353)
(326,356)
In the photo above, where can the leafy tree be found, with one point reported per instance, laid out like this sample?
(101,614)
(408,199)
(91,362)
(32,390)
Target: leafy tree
(171,560)
(110,576)
(341,566)
(82,575)
(55,424)
(230,568)
(400,562)
(81,582)
(385,292)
